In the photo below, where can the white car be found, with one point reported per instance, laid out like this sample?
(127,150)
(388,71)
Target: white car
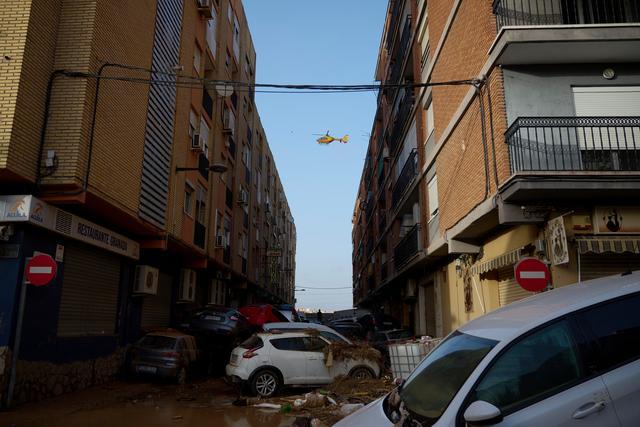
(566,357)
(267,361)
(325,331)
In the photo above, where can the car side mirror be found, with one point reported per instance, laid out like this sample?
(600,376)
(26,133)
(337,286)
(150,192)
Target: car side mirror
(481,413)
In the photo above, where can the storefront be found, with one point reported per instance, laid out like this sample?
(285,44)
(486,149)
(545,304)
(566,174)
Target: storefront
(73,328)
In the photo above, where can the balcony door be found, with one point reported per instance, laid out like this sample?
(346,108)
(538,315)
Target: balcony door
(609,134)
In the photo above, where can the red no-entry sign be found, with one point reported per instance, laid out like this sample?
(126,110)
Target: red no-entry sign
(532,274)
(41,269)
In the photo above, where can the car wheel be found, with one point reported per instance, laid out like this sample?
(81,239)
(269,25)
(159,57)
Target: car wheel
(265,383)
(361,373)
(181,376)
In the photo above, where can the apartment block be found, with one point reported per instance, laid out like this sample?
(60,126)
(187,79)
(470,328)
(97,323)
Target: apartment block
(516,136)
(150,183)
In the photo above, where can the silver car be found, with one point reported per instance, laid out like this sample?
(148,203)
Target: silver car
(164,354)
(566,357)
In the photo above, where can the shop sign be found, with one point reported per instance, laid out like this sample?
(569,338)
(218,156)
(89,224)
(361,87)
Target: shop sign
(558,241)
(617,220)
(29,208)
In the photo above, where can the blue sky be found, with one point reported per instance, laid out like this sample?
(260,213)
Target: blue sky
(318,42)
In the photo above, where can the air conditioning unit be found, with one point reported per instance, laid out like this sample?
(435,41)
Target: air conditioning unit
(187,291)
(197,143)
(243,197)
(228,122)
(220,241)
(204,7)
(385,153)
(146,282)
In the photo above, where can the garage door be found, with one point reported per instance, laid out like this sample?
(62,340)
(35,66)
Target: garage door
(508,289)
(89,302)
(156,309)
(593,266)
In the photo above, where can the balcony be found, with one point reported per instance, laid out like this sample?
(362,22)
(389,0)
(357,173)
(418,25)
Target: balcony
(384,272)
(407,248)
(396,8)
(199,234)
(382,222)
(406,177)
(398,59)
(571,157)
(229,198)
(397,131)
(566,31)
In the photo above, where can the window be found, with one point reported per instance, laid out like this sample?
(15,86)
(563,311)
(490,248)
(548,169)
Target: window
(227,59)
(204,135)
(201,206)
(211,34)
(289,344)
(432,191)
(616,329)
(539,365)
(436,380)
(197,57)
(188,198)
(429,119)
(230,13)
(331,336)
(236,38)
(314,344)
(193,124)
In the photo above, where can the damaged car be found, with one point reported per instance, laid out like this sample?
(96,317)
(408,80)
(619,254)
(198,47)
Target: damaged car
(267,362)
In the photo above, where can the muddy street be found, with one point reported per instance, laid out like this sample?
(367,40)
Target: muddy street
(137,403)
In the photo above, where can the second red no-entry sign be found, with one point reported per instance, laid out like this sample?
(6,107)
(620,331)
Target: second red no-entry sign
(532,274)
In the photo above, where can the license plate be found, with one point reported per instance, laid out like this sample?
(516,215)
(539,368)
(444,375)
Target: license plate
(215,318)
(147,369)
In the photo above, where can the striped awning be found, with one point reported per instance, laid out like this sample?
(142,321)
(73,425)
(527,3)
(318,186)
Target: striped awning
(503,260)
(603,244)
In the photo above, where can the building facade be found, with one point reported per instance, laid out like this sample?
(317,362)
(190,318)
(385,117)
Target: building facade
(520,140)
(114,133)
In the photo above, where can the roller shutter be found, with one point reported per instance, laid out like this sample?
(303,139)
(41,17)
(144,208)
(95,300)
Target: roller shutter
(156,309)
(89,302)
(508,288)
(593,266)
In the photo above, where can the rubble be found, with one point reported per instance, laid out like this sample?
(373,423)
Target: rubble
(356,351)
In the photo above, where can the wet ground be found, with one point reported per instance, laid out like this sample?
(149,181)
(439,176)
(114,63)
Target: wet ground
(139,403)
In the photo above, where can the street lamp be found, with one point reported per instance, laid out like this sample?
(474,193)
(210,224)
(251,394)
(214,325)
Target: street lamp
(216,167)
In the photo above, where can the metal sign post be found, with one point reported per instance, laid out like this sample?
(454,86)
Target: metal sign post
(16,343)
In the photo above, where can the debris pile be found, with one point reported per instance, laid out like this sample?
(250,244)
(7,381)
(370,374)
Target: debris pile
(326,406)
(341,351)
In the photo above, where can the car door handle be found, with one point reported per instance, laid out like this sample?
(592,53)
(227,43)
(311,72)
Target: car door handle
(588,409)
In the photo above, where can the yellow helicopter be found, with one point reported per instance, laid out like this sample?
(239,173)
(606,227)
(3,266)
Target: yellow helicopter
(327,139)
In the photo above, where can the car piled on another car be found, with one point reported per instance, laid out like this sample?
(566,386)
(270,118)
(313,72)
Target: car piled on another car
(259,314)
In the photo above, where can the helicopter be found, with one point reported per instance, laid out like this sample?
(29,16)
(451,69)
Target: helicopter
(327,139)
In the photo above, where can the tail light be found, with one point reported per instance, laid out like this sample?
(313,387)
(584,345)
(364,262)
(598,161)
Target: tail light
(171,354)
(250,353)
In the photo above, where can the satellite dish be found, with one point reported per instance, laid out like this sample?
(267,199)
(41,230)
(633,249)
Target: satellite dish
(224,89)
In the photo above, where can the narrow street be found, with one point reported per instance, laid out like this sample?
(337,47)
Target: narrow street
(136,403)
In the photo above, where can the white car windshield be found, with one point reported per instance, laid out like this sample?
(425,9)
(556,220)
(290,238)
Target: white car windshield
(436,380)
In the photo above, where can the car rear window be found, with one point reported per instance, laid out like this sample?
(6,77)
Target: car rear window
(252,342)
(331,336)
(291,344)
(157,342)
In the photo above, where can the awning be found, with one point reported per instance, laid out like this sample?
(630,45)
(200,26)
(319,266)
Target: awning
(503,260)
(603,244)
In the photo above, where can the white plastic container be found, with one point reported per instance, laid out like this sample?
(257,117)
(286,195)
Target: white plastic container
(406,356)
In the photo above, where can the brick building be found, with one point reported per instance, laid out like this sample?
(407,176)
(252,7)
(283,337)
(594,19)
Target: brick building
(155,190)
(534,155)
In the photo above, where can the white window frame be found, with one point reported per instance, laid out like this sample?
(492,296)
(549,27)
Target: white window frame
(188,204)
(204,134)
(432,194)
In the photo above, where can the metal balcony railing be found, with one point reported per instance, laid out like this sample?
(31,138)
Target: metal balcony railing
(574,144)
(207,102)
(406,177)
(382,221)
(406,104)
(384,272)
(565,12)
(229,198)
(396,8)
(407,247)
(398,59)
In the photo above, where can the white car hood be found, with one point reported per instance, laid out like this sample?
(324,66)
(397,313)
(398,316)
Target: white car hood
(371,415)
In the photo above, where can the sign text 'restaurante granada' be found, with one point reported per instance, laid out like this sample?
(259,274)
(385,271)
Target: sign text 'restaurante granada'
(104,237)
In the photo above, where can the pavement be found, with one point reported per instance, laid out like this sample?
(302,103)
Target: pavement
(124,403)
